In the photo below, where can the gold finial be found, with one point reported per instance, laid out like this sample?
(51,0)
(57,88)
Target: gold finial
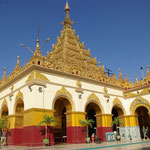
(67,22)
(99,63)
(147,69)
(67,6)
(37,42)
(4,76)
(37,50)
(4,70)
(120,75)
(136,79)
(126,79)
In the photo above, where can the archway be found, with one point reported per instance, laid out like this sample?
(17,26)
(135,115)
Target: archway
(92,111)
(117,112)
(143,119)
(4,112)
(19,109)
(61,106)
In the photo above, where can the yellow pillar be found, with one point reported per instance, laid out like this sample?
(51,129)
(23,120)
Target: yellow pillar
(33,116)
(104,120)
(131,120)
(73,118)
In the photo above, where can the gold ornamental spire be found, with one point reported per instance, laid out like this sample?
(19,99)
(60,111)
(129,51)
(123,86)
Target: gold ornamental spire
(67,22)
(126,79)
(120,75)
(4,76)
(37,50)
(148,73)
(67,6)
(18,58)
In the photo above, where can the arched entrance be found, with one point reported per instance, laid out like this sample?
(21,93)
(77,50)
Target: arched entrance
(117,112)
(4,112)
(19,109)
(92,111)
(143,119)
(61,106)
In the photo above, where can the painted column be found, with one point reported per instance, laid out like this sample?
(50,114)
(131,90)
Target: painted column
(131,130)
(76,133)
(32,135)
(14,135)
(103,125)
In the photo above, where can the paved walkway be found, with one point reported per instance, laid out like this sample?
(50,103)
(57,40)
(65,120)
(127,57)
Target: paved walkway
(130,145)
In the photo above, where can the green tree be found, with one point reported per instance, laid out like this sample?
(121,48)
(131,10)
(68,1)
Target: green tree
(3,124)
(87,123)
(47,120)
(116,122)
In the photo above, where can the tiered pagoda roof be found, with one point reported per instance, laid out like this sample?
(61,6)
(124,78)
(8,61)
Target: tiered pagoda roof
(70,56)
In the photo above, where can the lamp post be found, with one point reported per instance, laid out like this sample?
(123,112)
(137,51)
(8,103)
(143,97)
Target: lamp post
(23,45)
(142,72)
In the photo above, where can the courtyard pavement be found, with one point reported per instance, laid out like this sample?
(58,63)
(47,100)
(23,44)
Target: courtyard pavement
(116,145)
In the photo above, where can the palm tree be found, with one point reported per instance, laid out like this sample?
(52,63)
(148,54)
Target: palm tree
(116,122)
(3,124)
(47,120)
(87,123)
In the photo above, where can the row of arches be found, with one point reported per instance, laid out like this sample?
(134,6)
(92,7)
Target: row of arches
(19,109)
(62,105)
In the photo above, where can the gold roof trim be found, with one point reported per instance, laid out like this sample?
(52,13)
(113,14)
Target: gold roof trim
(36,75)
(19,95)
(129,95)
(117,101)
(139,100)
(63,91)
(93,97)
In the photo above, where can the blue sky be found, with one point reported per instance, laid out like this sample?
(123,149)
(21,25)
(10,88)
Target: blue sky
(116,31)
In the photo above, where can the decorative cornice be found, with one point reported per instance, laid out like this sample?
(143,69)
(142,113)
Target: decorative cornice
(63,91)
(93,97)
(129,95)
(19,95)
(137,101)
(36,75)
(145,91)
(117,101)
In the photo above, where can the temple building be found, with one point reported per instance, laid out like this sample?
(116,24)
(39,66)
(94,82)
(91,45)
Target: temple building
(71,86)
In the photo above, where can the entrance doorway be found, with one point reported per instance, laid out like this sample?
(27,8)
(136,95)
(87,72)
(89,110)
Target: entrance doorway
(19,114)
(117,112)
(62,106)
(92,109)
(143,119)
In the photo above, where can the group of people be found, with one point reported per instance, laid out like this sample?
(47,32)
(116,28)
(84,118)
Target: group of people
(146,133)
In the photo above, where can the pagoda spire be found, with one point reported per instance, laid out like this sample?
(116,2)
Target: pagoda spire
(120,75)
(67,22)
(37,50)
(4,76)
(126,79)
(148,73)
(18,58)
